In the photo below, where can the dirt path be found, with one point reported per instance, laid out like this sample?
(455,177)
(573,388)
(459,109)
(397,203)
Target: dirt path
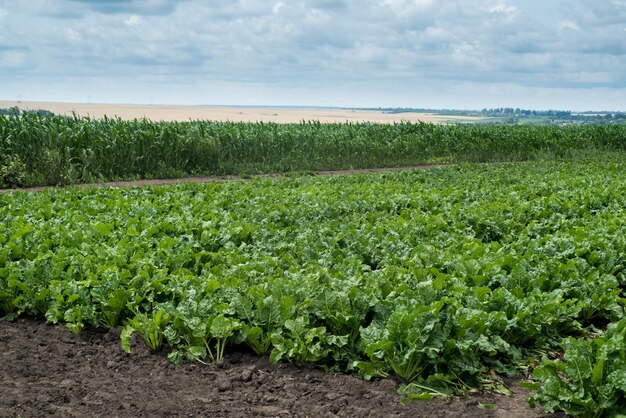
(214,179)
(47,371)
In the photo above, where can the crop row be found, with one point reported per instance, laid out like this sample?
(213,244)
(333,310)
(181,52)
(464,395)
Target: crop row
(41,150)
(442,278)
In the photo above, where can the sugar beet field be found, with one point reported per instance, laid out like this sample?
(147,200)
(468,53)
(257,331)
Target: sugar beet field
(441,288)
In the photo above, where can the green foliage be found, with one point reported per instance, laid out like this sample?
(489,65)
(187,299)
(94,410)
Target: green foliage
(445,279)
(261,316)
(412,338)
(304,343)
(65,150)
(591,379)
(12,171)
(149,326)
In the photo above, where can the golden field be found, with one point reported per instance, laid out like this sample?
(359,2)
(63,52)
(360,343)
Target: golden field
(229,113)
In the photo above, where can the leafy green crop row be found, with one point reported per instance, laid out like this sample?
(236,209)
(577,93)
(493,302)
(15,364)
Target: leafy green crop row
(591,382)
(36,150)
(439,277)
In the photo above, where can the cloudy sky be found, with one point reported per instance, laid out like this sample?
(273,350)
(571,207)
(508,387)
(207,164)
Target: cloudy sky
(413,53)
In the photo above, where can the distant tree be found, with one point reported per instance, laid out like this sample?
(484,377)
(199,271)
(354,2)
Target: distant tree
(10,111)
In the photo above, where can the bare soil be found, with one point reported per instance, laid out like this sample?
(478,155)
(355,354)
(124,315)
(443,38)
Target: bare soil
(46,370)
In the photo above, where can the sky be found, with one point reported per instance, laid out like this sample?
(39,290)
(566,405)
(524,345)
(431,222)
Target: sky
(536,54)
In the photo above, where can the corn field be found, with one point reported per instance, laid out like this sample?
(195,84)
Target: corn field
(43,150)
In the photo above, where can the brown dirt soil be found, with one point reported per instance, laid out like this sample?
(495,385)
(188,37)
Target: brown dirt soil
(47,371)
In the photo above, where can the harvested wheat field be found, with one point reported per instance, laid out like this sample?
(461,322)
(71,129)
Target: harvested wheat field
(230,113)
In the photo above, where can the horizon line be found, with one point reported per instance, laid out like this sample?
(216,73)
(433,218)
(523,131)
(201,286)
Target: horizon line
(269,106)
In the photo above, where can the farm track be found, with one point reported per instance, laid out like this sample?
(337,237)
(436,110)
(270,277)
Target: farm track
(217,179)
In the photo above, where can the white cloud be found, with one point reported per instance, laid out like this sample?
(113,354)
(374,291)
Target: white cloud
(568,24)
(502,8)
(594,77)
(12,59)
(405,48)
(504,12)
(133,20)
(468,55)
(72,35)
(277,7)
(315,16)
(369,52)
(407,7)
